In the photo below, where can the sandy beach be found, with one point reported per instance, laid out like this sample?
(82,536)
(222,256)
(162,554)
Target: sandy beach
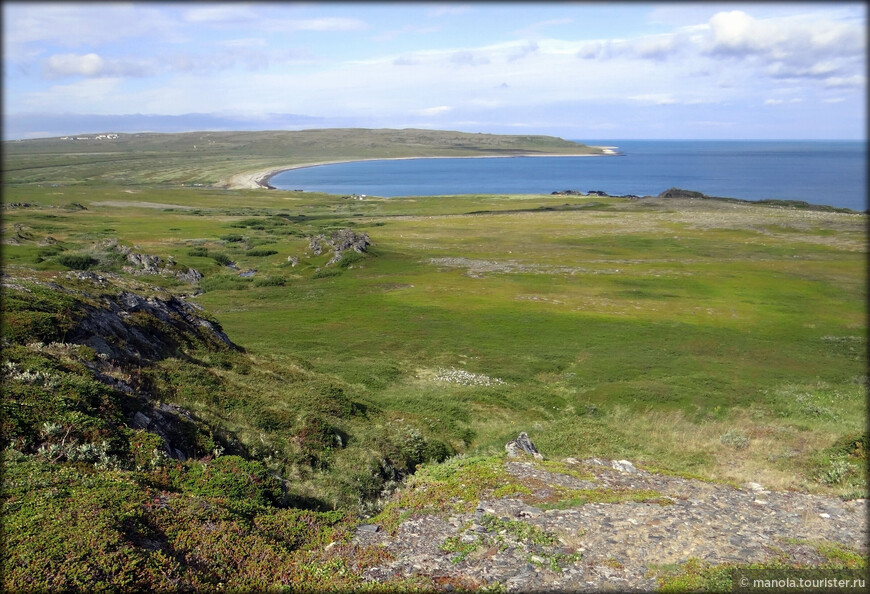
(253,180)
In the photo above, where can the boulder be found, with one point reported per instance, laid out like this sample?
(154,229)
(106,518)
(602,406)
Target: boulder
(623,466)
(522,445)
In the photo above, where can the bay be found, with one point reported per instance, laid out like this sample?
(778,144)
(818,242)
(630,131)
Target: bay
(819,172)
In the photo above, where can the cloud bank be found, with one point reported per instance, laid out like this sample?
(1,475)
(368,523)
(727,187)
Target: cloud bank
(461,66)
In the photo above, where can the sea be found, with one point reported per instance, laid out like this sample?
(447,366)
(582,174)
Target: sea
(831,173)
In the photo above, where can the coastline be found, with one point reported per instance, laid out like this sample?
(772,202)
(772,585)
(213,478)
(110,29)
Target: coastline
(259,179)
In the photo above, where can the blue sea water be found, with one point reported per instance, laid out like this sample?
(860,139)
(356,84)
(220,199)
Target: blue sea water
(819,172)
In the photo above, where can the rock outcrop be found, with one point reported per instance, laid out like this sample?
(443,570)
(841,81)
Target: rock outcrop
(130,327)
(139,263)
(679,193)
(339,241)
(522,445)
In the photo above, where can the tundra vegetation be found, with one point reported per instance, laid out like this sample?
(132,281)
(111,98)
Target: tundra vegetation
(701,337)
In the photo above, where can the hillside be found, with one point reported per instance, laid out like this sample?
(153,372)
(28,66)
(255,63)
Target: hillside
(208,387)
(210,157)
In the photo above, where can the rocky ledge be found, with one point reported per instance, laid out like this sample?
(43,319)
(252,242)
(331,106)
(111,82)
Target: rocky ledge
(524,543)
(129,327)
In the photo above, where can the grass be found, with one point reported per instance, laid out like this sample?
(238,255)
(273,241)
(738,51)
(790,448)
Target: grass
(712,339)
(630,310)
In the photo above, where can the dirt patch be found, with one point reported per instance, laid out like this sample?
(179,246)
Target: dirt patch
(156,205)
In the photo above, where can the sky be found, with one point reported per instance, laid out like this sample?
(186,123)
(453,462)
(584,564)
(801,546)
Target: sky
(584,70)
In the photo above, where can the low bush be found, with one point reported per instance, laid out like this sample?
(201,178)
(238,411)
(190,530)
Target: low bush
(198,252)
(235,478)
(270,281)
(259,253)
(326,273)
(222,259)
(349,258)
(223,282)
(77,261)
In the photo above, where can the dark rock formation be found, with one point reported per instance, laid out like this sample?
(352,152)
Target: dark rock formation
(346,239)
(132,328)
(678,193)
(315,244)
(339,241)
(522,445)
(140,264)
(173,424)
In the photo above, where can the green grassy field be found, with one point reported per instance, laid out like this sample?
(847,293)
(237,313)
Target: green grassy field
(703,337)
(603,320)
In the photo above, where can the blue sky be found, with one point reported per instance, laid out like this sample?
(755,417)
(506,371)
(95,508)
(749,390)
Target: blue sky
(576,70)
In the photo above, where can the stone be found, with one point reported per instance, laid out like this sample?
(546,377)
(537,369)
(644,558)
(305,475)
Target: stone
(141,421)
(522,445)
(623,466)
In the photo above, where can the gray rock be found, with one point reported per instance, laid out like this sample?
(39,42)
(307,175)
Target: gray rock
(140,421)
(522,445)
(623,466)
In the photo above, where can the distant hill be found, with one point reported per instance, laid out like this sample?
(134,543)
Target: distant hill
(207,157)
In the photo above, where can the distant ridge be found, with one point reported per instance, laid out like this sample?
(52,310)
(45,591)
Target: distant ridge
(38,125)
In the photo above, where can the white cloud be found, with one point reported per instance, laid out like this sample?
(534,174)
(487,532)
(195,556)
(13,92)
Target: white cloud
(530,48)
(70,64)
(243,43)
(431,111)
(447,10)
(238,57)
(226,13)
(90,95)
(468,58)
(93,65)
(657,98)
(77,24)
(325,24)
(406,30)
(795,47)
(745,50)
(854,81)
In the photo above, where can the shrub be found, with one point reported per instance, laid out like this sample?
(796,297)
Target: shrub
(854,445)
(77,261)
(222,259)
(326,273)
(200,252)
(734,439)
(42,315)
(50,250)
(235,478)
(349,258)
(270,281)
(232,238)
(257,253)
(223,282)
